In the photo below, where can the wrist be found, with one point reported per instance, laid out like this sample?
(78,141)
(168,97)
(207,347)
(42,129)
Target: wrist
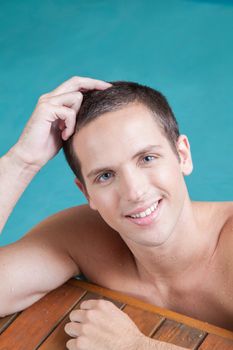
(145,343)
(18,159)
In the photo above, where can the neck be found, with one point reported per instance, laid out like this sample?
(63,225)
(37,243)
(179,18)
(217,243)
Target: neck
(188,247)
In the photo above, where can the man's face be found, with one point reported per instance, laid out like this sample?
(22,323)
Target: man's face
(133,177)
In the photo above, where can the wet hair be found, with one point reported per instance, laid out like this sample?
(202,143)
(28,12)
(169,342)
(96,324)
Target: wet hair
(119,95)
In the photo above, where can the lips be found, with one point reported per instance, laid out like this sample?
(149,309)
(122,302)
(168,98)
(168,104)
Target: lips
(141,220)
(144,211)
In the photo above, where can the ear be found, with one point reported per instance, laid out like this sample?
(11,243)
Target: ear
(183,149)
(81,186)
(84,191)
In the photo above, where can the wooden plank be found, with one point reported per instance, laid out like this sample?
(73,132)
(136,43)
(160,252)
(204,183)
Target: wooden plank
(36,322)
(179,334)
(213,342)
(146,321)
(6,321)
(58,339)
(204,326)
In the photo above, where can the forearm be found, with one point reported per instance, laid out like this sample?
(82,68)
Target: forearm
(152,344)
(15,176)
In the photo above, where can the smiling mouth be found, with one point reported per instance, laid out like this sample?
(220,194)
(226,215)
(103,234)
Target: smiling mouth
(146,217)
(146,212)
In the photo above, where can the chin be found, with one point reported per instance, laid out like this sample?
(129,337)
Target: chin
(147,239)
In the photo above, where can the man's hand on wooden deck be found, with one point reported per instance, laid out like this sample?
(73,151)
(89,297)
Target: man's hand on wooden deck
(100,325)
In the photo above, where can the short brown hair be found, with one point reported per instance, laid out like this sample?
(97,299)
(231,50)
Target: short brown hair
(120,94)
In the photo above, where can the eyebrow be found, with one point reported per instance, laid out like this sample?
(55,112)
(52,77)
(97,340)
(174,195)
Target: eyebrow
(140,152)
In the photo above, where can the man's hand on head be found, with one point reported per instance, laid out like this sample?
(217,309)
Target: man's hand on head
(53,119)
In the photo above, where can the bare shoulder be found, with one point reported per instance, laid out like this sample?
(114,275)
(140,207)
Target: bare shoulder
(227,224)
(94,246)
(225,245)
(221,272)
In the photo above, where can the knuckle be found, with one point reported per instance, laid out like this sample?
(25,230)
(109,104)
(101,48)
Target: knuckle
(103,304)
(43,97)
(72,113)
(81,342)
(83,304)
(78,94)
(75,78)
(85,329)
(90,315)
(44,106)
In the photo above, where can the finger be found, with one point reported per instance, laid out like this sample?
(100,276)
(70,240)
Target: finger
(78,83)
(88,304)
(67,115)
(73,329)
(69,119)
(72,344)
(94,304)
(61,125)
(71,99)
(78,316)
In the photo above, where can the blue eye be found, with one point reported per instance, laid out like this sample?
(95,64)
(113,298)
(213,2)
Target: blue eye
(104,177)
(148,159)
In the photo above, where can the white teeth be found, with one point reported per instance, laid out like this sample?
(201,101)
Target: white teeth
(147,212)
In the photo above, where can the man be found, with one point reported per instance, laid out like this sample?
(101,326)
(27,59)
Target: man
(141,234)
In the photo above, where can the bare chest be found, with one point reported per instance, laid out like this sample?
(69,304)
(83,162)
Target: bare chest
(209,299)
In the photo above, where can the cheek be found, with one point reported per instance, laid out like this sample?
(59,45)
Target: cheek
(108,209)
(105,200)
(169,178)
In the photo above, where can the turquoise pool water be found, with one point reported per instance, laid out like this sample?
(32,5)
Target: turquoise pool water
(183,48)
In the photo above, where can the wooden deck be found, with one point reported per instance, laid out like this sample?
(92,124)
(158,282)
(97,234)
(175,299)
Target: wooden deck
(41,326)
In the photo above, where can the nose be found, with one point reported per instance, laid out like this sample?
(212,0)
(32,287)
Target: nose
(133,186)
